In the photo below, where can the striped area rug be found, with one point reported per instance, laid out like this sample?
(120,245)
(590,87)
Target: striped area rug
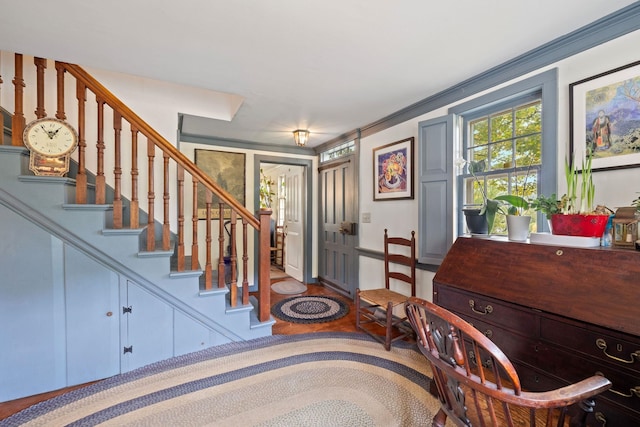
(320,379)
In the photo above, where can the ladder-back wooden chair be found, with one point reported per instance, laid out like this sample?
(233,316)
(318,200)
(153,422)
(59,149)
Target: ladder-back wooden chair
(488,393)
(374,307)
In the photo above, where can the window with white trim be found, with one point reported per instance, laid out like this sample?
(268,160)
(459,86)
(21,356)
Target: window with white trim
(502,147)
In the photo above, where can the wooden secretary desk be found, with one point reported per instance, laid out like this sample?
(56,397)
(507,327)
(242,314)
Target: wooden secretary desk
(559,313)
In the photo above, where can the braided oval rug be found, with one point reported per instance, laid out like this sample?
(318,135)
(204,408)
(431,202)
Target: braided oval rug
(319,379)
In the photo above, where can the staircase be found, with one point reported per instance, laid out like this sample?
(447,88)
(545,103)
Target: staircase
(100,246)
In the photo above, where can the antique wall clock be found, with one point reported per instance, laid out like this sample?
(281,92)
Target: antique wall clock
(51,142)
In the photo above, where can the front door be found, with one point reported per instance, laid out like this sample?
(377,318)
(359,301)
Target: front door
(337,261)
(294,222)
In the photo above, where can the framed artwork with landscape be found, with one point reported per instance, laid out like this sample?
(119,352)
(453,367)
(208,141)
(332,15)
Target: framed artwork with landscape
(227,170)
(393,171)
(604,119)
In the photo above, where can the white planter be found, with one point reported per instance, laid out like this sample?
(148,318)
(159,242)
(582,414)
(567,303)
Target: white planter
(518,227)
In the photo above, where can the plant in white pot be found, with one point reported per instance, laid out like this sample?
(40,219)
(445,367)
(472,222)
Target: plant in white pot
(517,220)
(517,216)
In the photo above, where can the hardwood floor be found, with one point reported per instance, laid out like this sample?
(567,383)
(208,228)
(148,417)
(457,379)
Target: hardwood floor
(345,324)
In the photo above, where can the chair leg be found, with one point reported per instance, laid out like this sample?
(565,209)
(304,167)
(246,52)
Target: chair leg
(387,341)
(440,419)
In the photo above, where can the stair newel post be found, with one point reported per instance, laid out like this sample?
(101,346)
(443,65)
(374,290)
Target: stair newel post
(18,121)
(194,225)
(117,171)
(245,264)
(208,265)
(41,65)
(180,175)
(166,229)
(151,197)
(233,264)
(100,179)
(221,274)
(81,176)
(60,70)
(134,205)
(264,261)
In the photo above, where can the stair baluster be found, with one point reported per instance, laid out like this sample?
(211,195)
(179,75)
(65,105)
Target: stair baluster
(18,121)
(41,65)
(101,184)
(81,176)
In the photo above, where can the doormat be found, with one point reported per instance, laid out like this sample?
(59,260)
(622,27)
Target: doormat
(289,287)
(310,309)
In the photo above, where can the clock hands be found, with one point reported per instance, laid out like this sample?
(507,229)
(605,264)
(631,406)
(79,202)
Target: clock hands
(47,132)
(50,133)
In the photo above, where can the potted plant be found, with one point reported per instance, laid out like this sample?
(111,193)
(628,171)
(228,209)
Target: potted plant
(479,218)
(517,208)
(517,221)
(266,194)
(547,205)
(578,216)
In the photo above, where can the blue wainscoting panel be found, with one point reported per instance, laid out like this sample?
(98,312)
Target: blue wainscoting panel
(28,308)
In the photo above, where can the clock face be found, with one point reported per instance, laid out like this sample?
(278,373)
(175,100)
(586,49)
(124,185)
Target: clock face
(50,137)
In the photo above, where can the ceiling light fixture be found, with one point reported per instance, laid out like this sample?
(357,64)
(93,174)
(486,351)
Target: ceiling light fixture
(301,137)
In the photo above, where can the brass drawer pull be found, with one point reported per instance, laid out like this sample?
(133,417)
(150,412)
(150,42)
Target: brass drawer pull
(601,418)
(633,391)
(602,345)
(487,310)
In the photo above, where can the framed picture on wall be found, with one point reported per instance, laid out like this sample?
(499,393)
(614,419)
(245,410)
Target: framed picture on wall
(227,170)
(393,171)
(604,119)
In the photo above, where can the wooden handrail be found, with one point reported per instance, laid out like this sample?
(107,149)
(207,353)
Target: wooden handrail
(142,126)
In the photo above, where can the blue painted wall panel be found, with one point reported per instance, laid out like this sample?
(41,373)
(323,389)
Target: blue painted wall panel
(29,307)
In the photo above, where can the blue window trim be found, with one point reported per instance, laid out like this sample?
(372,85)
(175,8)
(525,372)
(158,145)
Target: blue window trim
(546,84)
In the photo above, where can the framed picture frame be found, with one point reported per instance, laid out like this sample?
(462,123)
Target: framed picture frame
(227,169)
(604,119)
(393,171)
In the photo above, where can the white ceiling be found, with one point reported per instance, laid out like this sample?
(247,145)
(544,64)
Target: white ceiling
(327,66)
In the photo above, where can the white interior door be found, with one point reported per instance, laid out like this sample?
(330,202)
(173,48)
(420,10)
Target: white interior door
(294,224)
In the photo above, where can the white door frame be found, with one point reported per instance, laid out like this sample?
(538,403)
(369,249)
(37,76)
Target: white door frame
(306,203)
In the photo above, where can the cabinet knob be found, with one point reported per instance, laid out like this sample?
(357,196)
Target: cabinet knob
(109,314)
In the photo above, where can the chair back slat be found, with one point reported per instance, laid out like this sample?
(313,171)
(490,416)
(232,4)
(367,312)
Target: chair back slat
(400,252)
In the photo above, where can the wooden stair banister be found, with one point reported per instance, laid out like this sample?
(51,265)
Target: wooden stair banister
(96,87)
(170,156)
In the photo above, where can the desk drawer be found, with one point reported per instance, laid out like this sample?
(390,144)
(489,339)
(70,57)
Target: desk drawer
(516,347)
(534,380)
(625,389)
(515,318)
(596,343)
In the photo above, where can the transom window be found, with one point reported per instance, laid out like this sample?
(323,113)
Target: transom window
(341,150)
(502,146)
